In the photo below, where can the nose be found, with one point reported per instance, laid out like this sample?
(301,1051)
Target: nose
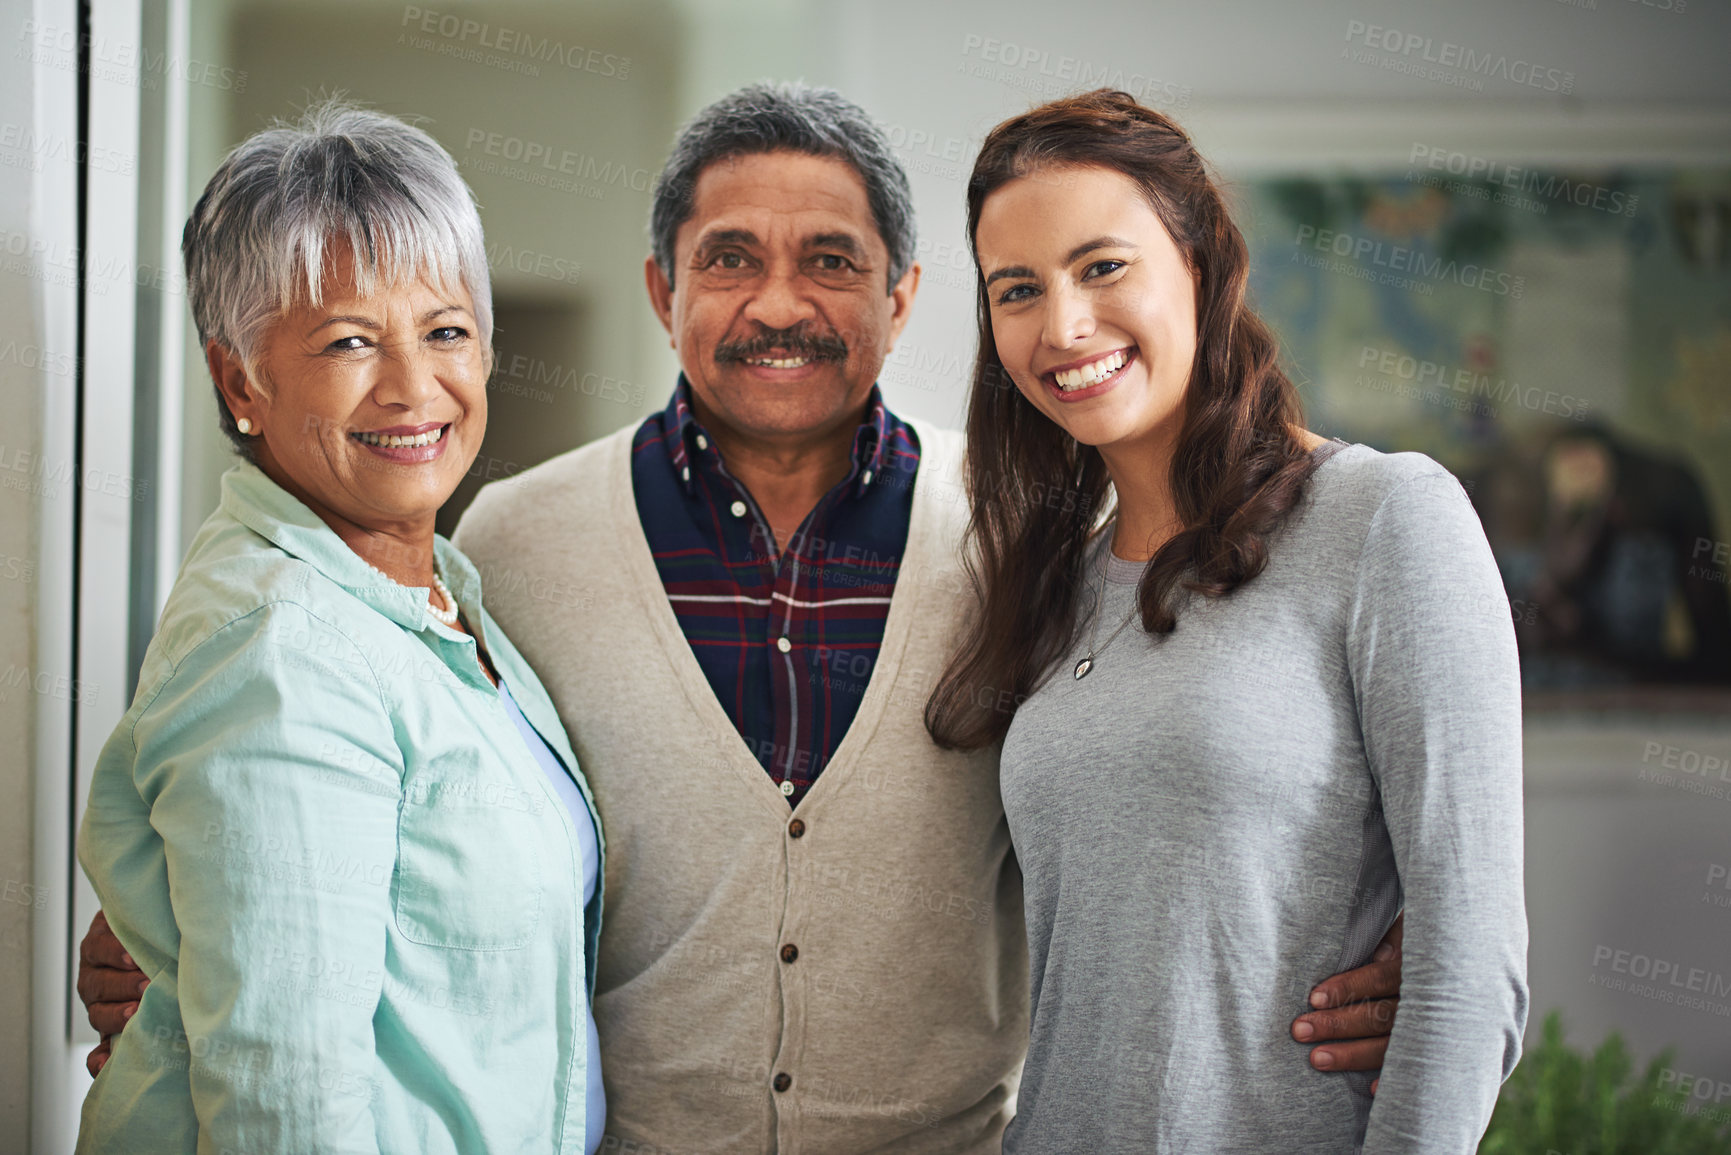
(781,300)
(408,378)
(1068,318)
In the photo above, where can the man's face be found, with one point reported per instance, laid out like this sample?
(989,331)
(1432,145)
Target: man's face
(779,307)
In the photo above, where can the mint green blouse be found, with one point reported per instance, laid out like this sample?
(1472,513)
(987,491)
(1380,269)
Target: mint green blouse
(356,894)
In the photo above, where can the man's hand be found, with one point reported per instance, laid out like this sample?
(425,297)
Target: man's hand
(1358,1005)
(109,984)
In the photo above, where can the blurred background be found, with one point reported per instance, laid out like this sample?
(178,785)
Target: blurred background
(1499,233)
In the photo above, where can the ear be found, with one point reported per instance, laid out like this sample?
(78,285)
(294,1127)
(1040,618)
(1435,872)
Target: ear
(660,296)
(902,302)
(239,393)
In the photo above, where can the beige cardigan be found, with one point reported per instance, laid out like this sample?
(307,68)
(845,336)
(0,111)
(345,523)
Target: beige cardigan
(902,1020)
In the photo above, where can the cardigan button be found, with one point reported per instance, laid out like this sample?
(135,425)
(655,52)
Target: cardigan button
(796,829)
(789,953)
(783,1081)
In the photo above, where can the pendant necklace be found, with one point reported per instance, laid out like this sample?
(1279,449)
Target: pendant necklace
(1087,662)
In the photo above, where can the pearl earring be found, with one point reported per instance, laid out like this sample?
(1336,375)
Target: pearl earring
(244,425)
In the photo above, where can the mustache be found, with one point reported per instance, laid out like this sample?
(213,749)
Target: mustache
(799,341)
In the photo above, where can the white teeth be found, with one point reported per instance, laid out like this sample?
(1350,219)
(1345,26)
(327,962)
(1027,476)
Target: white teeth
(1092,373)
(782,362)
(392,442)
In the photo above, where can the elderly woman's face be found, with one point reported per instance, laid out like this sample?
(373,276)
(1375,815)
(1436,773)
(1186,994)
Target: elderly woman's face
(372,408)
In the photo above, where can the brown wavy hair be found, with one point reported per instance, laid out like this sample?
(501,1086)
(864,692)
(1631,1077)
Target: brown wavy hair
(1038,496)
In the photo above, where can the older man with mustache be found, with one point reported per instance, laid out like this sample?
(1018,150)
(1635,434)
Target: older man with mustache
(814,938)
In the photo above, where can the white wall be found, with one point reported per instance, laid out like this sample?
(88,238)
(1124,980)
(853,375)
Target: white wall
(1626,823)
(37,358)
(20,389)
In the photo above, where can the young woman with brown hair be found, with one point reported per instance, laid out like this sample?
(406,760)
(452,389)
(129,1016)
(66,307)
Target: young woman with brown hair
(1266,687)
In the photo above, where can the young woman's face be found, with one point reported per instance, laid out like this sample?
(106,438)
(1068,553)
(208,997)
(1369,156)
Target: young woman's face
(1093,306)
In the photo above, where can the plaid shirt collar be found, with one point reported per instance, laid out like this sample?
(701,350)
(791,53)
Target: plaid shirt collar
(693,443)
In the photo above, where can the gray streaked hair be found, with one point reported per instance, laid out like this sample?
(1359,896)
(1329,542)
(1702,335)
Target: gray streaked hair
(256,243)
(793,117)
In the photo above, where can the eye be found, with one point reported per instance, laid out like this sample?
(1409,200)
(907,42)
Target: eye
(727,259)
(448,334)
(1101,269)
(833,262)
(1015,294)
(347,344)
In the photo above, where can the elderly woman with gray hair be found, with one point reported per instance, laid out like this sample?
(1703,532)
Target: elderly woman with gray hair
(341,829)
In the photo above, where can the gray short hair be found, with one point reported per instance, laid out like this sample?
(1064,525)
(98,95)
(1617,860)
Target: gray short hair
(255,244)
(789,116)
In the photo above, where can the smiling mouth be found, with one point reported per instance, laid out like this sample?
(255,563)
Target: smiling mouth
(1093,373)
(791,348)
(392,441)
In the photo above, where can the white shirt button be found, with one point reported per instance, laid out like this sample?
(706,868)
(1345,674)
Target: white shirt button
(702,441)
(787,789)
(738,508)
(783,645)
(685,473)
(866,478)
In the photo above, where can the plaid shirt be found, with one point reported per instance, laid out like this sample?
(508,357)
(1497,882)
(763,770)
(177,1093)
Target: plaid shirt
(787,642)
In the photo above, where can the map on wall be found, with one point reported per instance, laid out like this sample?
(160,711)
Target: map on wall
(1562,342)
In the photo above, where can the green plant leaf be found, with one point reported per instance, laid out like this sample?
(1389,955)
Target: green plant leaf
(1559,1101)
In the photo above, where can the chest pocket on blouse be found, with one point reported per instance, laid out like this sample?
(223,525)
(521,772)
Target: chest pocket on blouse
(469,855)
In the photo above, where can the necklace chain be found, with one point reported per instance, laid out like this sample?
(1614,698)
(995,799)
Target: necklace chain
(1087,662)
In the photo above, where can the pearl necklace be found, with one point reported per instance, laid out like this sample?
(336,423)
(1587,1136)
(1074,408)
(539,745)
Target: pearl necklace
(447,617)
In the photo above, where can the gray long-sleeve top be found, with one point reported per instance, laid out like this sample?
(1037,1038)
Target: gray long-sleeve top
(1211,823)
